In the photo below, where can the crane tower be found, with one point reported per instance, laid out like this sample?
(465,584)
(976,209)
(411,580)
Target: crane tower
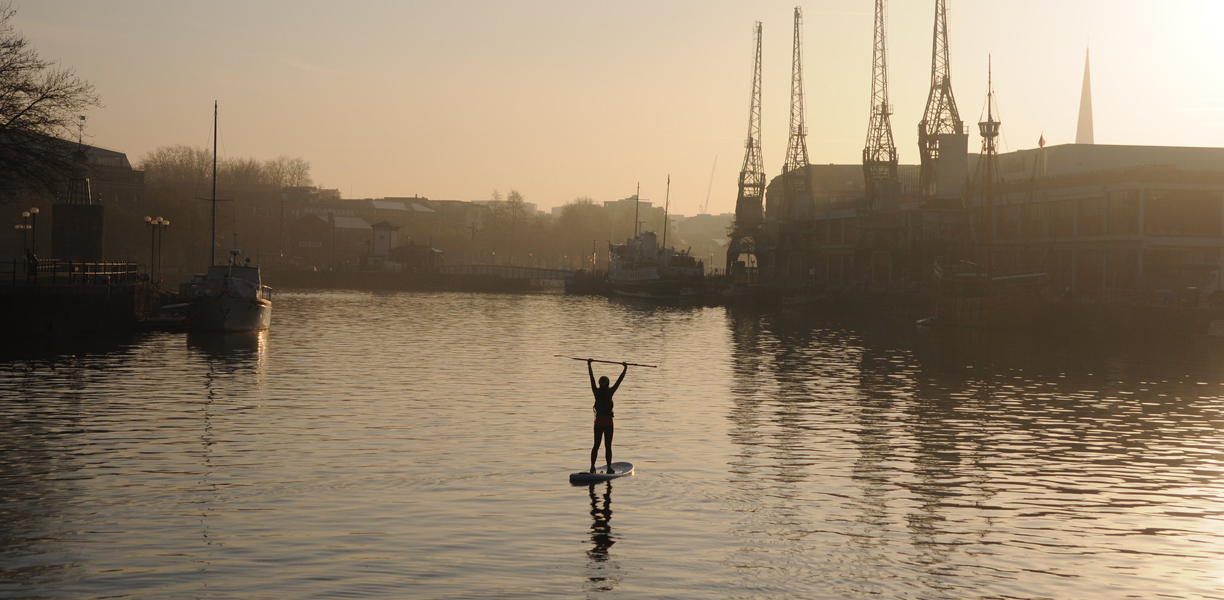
(940,117)
(796,188)
(879,153)
(748,205)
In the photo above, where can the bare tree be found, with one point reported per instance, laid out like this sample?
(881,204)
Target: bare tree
(177,168)
(184,172)
(40,102)
(285,171)
(177,178)
(495,225)
(582,226)
(515,213)
(241,174)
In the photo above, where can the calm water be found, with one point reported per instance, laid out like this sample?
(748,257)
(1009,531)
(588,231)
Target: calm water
(418,446)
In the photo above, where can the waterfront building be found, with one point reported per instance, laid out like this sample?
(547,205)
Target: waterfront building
(329,241)
(110,181)
(1116,223)
(413,257)
(1138,224)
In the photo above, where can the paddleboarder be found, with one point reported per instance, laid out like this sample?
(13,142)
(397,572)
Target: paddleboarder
(603,412)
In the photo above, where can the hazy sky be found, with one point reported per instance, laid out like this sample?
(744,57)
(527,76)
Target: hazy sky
(452,99)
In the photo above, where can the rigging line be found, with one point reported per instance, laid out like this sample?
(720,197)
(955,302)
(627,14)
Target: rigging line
(1002,132)
(201,176)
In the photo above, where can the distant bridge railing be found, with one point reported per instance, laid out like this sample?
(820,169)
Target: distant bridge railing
(53,271)
(506,272)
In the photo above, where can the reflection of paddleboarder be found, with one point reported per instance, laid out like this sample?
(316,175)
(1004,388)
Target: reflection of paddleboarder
(603,413)
(601,528)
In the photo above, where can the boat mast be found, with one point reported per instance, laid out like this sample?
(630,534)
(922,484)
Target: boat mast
(666,204)
(989,130)
(636,198)
(213,240)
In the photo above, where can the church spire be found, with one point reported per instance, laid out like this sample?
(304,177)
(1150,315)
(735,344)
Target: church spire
(1083,134)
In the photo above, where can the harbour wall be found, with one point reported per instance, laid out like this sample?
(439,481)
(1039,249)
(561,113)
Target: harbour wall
(79,309)
(373,280)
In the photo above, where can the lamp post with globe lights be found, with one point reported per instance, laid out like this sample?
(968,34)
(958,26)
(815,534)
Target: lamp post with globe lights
(33,228)
(155,225)
(165,223)
(24,228)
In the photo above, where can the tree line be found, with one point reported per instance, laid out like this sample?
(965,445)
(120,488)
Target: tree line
(178,187)
(577,237)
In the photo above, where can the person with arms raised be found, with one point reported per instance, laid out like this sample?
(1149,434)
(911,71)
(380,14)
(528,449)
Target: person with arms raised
(603,413)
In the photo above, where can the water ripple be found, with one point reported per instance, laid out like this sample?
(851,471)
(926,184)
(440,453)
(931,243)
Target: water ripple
(392,445)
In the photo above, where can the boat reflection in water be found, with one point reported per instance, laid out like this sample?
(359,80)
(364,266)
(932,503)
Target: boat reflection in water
(237,348)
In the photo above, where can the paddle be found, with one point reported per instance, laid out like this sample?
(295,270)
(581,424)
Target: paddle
(611,362)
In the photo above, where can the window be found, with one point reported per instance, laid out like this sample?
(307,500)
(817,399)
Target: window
(1123,212)
(1091,216)
(1008,221)
(1182,213)
(1035,224)
(1121,268)
(1062,218)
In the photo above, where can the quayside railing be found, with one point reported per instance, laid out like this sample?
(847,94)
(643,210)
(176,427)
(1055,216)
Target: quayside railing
(66,272)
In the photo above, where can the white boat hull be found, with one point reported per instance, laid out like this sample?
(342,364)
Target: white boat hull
(229,314)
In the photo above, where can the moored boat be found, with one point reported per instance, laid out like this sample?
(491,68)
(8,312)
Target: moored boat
(639,268)
(228,298)
(966,295)
(643,268)
(969,294)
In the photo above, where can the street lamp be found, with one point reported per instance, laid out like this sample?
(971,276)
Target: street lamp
(25,247)
(25,224)
(33,228)
(154,225)
(148,221)
(164,224)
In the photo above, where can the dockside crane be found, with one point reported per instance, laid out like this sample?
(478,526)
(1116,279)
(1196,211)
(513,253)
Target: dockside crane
(749,213)
(787,248)
(879,153)
(796,192)
(940,117)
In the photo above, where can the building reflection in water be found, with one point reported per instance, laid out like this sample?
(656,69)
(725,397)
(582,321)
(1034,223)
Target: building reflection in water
(46,467)
(938,456)
(875,408)
(774,391)
(604,572)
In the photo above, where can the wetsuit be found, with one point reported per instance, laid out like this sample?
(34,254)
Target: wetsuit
(603,407)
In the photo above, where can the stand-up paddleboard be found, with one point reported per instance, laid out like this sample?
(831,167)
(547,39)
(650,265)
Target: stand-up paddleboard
(618,469)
